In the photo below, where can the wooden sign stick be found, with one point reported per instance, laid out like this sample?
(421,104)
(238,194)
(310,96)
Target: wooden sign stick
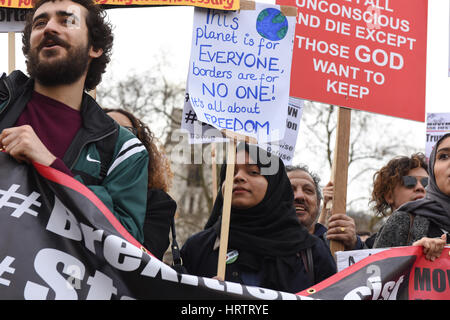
(11,52)
(340,169)
(226,209)
(214,171)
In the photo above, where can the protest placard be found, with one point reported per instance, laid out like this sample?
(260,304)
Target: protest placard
(239,70)
(363,54)
(200,132)
(285,148)
(215,4)
(345,259)
(438,124)
(12,20)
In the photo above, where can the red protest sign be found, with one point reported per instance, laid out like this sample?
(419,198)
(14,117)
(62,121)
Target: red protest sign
(362,54)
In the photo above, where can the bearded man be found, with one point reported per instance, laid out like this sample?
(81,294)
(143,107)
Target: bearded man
(49,118)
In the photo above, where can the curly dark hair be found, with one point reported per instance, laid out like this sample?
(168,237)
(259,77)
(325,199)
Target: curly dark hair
(159,172)
(100,37)
(389,176)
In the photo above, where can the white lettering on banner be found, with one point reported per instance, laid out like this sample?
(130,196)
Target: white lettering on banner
(345,259)
(379,57)
(384,37)
(90,236)
(233,287)
(347,89)
(46,262)
(374,287)
(74,280)
(63,283)
(262,293)
(214,284)
(25,201)
(154,266)
(5,266)
(102,287)
(117,249)
(188,279)
(63,222)
(45,265)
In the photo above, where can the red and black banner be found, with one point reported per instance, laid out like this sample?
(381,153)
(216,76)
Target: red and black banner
(59,241)
(400,273)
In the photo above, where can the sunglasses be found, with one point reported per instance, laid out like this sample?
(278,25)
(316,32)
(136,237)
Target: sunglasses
(132,129)
(410,181)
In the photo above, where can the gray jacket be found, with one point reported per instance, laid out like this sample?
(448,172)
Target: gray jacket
(402,229)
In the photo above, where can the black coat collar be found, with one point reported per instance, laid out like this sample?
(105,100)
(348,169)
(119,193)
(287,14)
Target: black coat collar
(95,123)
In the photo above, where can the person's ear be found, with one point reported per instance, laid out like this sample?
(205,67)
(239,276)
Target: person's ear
(95,53)
(389,198)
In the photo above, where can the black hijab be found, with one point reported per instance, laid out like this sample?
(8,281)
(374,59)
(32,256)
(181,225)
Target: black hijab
(269,235)
(436,204)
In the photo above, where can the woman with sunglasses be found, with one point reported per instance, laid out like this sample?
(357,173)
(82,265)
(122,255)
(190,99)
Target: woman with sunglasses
(426,221)
(160,206)
(401,180)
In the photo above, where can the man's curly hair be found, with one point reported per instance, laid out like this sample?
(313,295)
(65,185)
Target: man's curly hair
(100,36)
(159,172)
(389,176)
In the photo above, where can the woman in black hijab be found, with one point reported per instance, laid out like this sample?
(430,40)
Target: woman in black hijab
(426,221)
(267,246)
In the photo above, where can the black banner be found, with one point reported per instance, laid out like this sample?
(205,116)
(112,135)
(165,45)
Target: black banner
(58,241)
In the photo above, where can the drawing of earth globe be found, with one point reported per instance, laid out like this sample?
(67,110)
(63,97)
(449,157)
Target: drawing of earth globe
(272,24)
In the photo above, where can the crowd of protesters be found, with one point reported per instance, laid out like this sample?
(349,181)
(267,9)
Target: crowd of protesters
(279,232)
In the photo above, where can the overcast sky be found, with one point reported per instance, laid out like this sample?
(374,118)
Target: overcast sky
(141,34)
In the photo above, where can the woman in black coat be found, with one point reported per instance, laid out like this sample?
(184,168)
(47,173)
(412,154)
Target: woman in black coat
(267,247)
(160,206)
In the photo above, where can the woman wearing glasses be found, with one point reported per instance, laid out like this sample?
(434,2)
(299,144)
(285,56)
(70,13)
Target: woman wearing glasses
(425,221)
(401,180)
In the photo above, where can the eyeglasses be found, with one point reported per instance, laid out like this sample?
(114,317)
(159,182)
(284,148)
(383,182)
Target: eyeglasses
(132,129)
(411,181)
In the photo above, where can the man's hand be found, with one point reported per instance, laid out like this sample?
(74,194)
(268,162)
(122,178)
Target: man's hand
(432,247)
(23,144)
(325,214)
(342,228)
